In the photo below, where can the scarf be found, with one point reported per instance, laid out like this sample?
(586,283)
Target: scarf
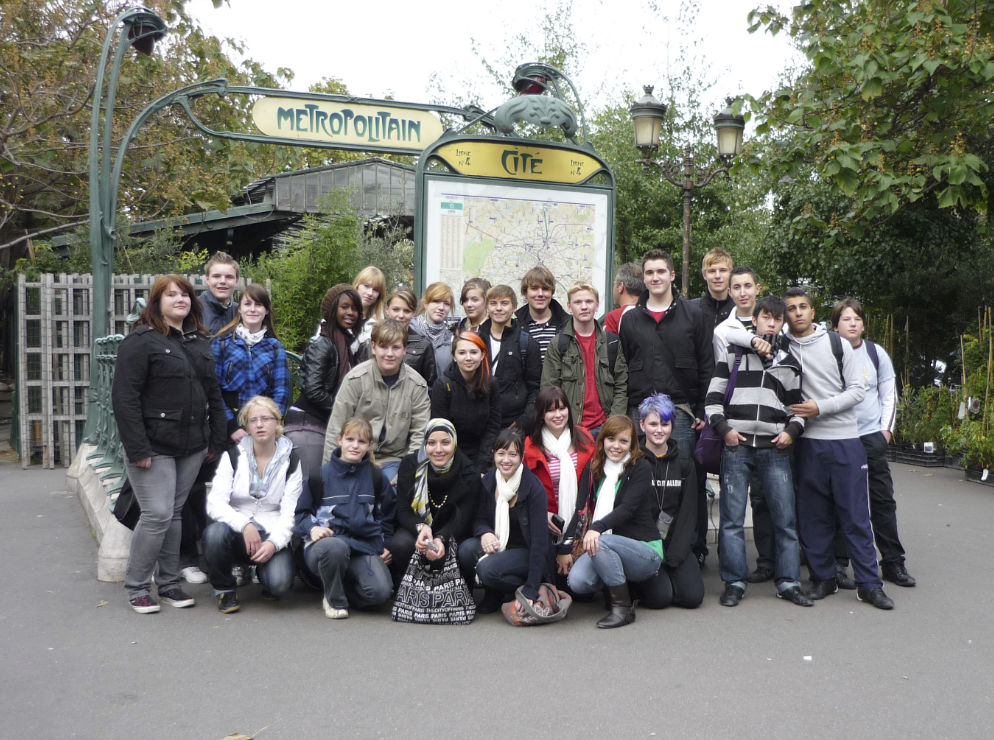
(259,484)
(608,488)
(438,334)
(567,470)
(506,490)
(251,338)
(419,501)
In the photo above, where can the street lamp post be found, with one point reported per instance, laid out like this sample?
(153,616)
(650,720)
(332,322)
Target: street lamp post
(647,118)
(144,28)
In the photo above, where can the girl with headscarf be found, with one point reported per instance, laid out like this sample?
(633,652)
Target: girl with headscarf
(326,360)
(510,543)
(465,396)
(438,491)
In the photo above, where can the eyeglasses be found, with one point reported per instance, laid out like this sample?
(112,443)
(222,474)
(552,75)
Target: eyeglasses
(262,419)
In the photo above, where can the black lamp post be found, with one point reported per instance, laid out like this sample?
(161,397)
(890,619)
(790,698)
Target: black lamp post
(647,118)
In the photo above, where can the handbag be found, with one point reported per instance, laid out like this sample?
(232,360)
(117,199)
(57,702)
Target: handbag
(126,508)
(429,595)
(551,606)
(707,451)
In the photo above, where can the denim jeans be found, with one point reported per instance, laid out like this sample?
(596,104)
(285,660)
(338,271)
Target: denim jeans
(738,465)
(161,490)
(501,571)
(224,548)
(349,578)
(618,560)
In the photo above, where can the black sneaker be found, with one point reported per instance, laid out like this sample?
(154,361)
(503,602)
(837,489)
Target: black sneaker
(144,604)
(897,573)
(795,595)
(732,596)
(875,596)
(821,589)
(177,597)
(843,578)
(227,602)
(762,574)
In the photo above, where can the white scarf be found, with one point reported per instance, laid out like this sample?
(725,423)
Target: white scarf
(251,338)
(506,490)
(609,487)
(567,470)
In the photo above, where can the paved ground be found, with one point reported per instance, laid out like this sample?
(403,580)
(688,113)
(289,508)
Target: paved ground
(77,662)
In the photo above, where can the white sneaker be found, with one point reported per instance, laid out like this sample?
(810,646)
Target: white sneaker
(193,574)
(333,613)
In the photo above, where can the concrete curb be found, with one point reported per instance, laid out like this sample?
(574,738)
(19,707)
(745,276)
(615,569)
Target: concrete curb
(114,538)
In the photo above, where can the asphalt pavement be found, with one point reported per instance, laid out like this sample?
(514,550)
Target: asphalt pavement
(78,662)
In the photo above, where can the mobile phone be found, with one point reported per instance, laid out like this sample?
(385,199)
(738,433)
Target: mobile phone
(558,521)
(431,546)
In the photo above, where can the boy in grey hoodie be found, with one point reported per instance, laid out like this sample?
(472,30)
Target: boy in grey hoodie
(831,461)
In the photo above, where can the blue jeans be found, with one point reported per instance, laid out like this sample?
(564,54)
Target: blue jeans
(349,578)
(390,469)
(224,547)
(738,464)
(618,560)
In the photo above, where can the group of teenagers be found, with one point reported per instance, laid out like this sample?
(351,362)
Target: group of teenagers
(536,443)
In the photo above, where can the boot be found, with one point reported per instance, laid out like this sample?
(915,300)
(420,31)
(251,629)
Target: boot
(492,601)
(622,609)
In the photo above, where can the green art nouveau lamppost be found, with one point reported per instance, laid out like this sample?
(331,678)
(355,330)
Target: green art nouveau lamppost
(141,29)
(647,117)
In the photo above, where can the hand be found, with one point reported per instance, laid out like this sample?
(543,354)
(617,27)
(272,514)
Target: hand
(887,435)
(697,425)
(805,410)
(592,542)
(490,543)
(783,441)
(762,347)
(211,456)
(564,563)
(733,438)
(386,556)
(437,554)
(424,536)
(146,463)
(318,533)
(552,527)
(263,552)
(238,435)
(252,539)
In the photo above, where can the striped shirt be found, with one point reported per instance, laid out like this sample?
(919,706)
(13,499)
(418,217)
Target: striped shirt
(554,468)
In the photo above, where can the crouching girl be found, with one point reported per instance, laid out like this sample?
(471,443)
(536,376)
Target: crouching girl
(252,503)
(345,519)
(510,546)
(622,543)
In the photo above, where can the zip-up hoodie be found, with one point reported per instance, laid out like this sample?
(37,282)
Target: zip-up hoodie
(821,382)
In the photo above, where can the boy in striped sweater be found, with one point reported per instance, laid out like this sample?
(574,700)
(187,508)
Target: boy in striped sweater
(759,428)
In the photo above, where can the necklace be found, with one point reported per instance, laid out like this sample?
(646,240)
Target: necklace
(437,506)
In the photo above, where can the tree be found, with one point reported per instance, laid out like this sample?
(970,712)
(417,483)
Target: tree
(894,108)
(48,56)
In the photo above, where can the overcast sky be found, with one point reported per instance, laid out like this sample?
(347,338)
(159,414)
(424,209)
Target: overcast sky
(392,47)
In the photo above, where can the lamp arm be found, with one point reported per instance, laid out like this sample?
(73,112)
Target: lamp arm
(675,175)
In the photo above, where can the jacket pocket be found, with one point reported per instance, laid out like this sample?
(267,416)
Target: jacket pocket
(164,425)
(168,363)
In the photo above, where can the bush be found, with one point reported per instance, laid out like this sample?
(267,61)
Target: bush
(923,413)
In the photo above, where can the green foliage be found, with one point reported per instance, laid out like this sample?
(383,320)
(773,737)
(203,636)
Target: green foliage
(895,105)
(322,254)
(973,440)
(923,413)
(389,248)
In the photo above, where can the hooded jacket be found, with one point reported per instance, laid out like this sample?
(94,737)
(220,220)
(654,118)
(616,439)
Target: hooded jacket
(674,491)
(517,375)
(350,503)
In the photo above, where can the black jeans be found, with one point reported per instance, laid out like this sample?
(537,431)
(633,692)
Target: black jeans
(681,586)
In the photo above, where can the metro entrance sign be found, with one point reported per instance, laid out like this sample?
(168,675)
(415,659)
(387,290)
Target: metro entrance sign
(376,125)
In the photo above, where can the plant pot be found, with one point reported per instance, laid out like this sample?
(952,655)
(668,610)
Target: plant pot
(954,461)
(974,476)
(911,455)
